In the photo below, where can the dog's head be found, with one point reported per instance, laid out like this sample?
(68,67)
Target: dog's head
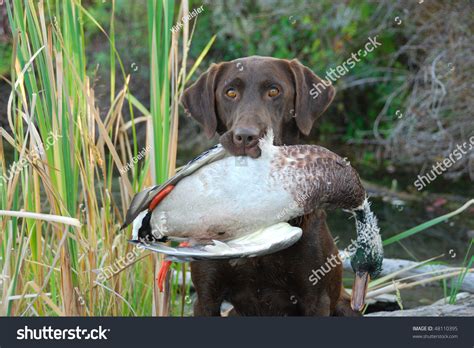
(241,99)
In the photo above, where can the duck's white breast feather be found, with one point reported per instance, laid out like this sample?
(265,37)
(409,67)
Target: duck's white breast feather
(201,206)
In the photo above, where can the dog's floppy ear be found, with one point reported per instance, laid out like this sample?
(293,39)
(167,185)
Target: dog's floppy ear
(313,96)
(199,100)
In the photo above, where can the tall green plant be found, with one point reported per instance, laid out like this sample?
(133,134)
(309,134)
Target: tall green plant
(167,81)
(55,104)
(59,214)
(70,177)
(160,17)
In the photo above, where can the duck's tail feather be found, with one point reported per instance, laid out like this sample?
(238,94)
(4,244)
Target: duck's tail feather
(141,225)
(142,230)
(264,241)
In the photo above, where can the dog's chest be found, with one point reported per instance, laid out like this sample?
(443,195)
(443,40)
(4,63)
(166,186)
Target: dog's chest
(263,272)
(268,292)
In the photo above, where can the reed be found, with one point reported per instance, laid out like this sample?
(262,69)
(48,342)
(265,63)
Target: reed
(61,207)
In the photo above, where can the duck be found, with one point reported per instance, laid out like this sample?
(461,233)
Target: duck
(220,206)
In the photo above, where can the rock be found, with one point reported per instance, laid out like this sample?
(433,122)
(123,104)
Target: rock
(464,307)
(386,298)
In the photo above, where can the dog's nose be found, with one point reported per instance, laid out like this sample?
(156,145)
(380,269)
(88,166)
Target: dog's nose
(246,136)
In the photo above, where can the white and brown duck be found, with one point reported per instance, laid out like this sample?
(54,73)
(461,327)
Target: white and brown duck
(230,207)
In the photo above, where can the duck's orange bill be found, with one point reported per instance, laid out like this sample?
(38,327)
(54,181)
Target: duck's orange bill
(160,196)
(164,269)
(359,290)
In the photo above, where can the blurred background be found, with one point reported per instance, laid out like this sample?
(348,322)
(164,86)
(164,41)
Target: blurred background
(401,109)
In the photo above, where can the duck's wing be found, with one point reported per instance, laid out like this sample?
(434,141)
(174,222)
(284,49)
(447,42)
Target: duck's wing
(264,241)
(340,185)
(142,200)
(327,180)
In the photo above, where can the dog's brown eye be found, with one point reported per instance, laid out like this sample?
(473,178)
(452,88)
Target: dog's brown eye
(273,92)
(231,93)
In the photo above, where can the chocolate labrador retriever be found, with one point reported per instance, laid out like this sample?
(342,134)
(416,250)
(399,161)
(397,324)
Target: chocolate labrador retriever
(240,100)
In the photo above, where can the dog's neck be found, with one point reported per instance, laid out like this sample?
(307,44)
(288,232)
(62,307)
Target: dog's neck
(291,135)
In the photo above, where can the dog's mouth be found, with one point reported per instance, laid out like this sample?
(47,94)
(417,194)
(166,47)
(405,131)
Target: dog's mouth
(251,150)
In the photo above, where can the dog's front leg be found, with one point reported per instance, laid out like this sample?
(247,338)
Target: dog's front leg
(317,306)
(205,276)
(318,270)
(206,308)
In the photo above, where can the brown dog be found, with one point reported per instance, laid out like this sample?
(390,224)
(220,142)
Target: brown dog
(240,100)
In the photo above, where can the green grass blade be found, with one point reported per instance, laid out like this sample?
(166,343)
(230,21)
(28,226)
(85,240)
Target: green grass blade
(426,224)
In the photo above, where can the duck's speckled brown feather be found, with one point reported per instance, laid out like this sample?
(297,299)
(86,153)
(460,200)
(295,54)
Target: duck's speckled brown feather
(322,178)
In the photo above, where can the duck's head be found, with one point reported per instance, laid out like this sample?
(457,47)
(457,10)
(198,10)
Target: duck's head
(368,257)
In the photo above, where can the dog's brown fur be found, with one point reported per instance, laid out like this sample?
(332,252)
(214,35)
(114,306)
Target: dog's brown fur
(276,284)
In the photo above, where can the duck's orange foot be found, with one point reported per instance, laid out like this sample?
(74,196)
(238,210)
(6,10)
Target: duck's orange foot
(164,269)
